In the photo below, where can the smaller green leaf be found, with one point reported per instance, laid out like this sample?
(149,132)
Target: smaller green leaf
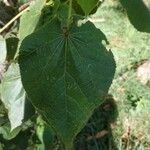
(6,132)
(138,13)
(2,49)
(87,5)
(30,19)
(13,95)
(45,134)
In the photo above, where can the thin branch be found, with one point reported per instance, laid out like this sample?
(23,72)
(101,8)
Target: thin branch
(13,19)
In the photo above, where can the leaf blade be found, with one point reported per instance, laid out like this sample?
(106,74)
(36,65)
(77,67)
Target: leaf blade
(13,95)
(68,88)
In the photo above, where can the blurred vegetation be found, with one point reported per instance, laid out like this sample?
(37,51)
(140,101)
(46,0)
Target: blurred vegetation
(131,49)
(122,122)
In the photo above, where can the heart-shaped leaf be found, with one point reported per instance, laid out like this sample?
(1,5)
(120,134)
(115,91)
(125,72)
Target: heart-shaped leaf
(66,74)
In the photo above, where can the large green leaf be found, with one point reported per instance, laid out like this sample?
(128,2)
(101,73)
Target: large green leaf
(138,13)
(87,5)
(66,75)
(13,95)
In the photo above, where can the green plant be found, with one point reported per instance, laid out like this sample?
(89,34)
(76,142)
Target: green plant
(65,69)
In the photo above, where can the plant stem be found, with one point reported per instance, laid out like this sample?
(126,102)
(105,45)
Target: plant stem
(69,13)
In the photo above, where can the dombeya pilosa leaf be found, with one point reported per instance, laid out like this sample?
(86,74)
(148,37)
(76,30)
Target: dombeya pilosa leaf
(66,74)
(13,95)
